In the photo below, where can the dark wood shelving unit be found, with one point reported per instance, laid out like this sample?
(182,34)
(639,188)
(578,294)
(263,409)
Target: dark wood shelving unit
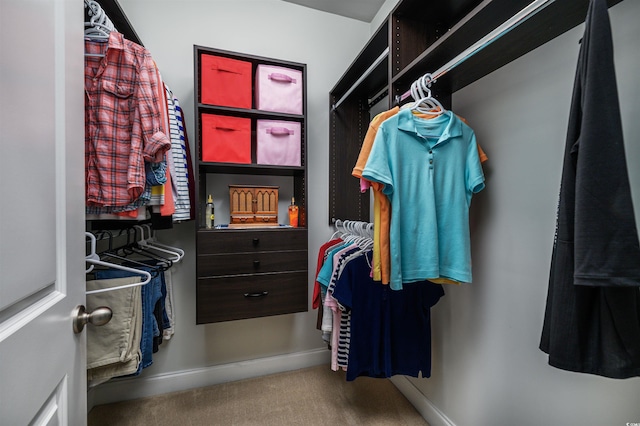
(421,38)
(260,271)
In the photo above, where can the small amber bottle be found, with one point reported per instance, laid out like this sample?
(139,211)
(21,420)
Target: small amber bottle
(293,213)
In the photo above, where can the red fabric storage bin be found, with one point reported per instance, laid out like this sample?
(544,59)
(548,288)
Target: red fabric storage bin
(226,139)
(278,89)
(278,142)
(225,81)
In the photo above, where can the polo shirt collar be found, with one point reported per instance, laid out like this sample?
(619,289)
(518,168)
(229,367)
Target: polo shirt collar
(453,127)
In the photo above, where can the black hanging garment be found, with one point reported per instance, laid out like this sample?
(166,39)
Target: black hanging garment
(592,318)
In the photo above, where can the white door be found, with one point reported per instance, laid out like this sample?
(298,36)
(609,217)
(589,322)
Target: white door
(42,361)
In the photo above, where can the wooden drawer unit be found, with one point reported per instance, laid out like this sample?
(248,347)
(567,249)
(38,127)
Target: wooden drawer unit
(250,296)
(250,273)
(254,267)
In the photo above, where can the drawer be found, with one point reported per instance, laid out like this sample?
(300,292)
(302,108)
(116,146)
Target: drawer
(210,265)
(241,297)
(249,241)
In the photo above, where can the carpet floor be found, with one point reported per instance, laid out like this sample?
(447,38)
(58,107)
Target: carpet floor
(310,396)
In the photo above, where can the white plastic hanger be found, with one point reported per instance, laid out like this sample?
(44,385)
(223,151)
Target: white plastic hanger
(99,26)
(338,232)
(94,259)
(98,18)
(152,241)
(143,243)
(424,102)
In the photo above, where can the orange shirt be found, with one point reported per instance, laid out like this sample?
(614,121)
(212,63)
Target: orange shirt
(381,227)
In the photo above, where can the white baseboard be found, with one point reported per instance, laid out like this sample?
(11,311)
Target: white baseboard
(140,387)
(425,407)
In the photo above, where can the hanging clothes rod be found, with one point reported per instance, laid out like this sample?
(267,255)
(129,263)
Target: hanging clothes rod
(364,75)
(520,17)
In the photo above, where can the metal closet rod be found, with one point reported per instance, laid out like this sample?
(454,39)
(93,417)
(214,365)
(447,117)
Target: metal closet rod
(526,13)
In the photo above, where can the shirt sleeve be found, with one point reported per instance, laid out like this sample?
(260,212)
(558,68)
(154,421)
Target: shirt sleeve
(377,168)
(475,175)
(154,141)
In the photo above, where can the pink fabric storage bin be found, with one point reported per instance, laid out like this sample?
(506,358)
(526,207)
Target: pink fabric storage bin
(278,142)
(278,89)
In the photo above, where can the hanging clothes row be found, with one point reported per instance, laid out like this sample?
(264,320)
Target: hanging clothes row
(376,290)
(137,157)
(134,280)
(371,330)
(423,165)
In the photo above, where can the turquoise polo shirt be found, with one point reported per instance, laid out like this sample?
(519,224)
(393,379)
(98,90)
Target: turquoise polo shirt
(430,170)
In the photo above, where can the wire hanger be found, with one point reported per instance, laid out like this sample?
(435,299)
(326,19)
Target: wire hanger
(94,259)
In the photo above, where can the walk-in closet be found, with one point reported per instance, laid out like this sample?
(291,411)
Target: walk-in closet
(427,211)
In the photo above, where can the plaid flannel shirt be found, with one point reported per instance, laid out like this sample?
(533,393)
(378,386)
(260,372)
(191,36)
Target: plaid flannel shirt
(122,120)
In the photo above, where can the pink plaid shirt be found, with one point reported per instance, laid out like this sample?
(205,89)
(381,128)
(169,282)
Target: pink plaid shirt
(122,121)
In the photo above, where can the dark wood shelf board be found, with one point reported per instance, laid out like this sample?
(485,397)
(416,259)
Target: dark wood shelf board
(446,11)
(255,59)
(532,33)
(251,169)
(483,19)
(248,113)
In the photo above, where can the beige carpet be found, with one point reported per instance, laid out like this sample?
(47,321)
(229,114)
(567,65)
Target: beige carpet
(311,396)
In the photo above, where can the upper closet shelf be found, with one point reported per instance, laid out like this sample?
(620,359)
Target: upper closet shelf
(477,37)
(375,67)
(550,19)
(460,41)
(369,71)
(509,25)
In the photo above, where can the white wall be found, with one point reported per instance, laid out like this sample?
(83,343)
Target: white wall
(271,28)
(487,368)
(382,14)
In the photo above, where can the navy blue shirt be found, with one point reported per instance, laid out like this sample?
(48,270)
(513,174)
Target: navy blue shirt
(390,329)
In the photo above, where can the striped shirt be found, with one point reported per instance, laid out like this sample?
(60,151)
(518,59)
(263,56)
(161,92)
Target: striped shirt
(178,159)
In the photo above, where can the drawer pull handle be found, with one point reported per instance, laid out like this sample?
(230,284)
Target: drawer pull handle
(256,263)
(258,294)
(256,241)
